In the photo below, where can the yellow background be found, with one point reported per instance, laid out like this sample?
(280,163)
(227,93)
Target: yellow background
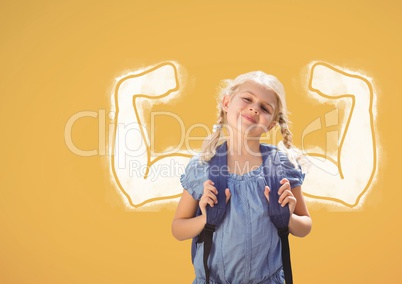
(61,218)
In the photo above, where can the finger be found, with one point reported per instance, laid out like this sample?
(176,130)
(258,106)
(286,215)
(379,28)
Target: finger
(285,186)
(210,188)
(211,202)
(211,196)
(228,194)
(283,195)
(208,201)
(291,202)
(266,192)
(209,184)
(288,199)
(283,182)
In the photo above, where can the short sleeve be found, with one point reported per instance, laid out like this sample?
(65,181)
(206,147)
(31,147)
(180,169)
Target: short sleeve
(292,173)
(195,174)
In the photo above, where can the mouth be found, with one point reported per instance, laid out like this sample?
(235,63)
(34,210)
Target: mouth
(249,118)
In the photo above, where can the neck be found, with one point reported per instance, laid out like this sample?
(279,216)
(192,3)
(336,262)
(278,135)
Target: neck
(244,146)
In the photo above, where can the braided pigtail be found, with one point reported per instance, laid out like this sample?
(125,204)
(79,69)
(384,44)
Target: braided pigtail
(211,142)
(208,148)
(286,134)
(295,156)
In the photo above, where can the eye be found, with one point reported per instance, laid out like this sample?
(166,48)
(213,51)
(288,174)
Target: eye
(265,109)
(247,99)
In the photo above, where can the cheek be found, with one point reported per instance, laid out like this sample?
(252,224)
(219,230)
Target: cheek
(234,114)
(230,114)
(267,118)
(234,108)
(238,103)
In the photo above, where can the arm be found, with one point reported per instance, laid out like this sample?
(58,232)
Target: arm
(300,222)
(185,225)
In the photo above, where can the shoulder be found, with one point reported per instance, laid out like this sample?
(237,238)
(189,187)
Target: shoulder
(268,147)
(273,155)
(279,158)
(196,163)
(195,174)
(280,155)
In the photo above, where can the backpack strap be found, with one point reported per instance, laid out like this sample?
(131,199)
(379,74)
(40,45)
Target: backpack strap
(279,215)
(218,174)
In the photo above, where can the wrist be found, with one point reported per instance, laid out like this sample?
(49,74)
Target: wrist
(203,218)
(291,221)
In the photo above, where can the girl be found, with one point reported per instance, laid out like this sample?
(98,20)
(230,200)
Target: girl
(246,246)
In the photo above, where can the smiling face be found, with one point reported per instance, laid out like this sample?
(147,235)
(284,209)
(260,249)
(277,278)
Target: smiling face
(251,109)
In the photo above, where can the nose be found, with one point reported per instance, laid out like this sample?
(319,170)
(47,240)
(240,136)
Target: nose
(253,110)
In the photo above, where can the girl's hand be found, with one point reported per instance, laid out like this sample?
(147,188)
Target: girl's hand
(209,197)
(285,195)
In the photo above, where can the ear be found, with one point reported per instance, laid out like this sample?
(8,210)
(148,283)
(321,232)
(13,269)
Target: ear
(225,102)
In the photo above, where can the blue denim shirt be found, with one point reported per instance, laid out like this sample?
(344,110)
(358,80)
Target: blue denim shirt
(246,247)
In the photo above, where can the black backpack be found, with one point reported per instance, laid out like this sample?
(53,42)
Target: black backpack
(218,173)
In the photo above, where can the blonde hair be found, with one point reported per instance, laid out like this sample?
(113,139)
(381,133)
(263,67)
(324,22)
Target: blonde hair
(280,115)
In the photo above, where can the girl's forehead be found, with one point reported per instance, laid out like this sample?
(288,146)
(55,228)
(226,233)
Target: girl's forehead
(257,89)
